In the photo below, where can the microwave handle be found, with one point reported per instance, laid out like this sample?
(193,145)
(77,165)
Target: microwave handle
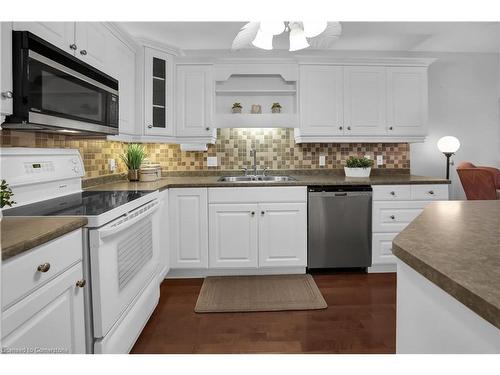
(130,219)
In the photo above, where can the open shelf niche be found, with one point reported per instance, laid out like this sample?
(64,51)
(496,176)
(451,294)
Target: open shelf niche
(262,89)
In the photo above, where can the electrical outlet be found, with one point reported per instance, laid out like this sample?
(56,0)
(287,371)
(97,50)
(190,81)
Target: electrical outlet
(380,160)
(112,165)
(212,161)
(322,160)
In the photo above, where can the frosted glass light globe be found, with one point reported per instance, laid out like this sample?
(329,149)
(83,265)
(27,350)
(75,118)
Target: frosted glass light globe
(448,144)
(263,40)
(298,40)
(272,27)
(314,28)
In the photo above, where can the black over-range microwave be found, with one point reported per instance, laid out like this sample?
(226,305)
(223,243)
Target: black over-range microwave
(54,91)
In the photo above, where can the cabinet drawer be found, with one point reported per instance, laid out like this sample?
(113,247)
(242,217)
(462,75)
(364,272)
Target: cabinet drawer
(394,216)
(382,248)
(275,194)
(391,192)
(429,192)
(20,274)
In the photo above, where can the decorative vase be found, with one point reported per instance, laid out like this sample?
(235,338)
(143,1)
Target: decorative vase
(133,175)
(276,110)
(357,172)
(236,109)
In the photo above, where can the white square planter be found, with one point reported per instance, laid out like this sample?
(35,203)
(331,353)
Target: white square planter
(357,172)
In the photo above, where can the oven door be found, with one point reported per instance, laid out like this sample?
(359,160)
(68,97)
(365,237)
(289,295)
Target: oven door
(61,97)
(124,258)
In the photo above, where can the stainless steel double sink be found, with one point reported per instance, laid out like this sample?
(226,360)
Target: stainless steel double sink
(253,178)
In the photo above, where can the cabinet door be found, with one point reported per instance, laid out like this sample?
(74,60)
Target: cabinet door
(120,64)
(321,100)
(90,40)
(60,34)
(158,89)
(5,69)
(189,228)
(282,234)
(364,100)
(233,235)
(195,100)
(164,235)
(407,100)
(382,248)
(51,318)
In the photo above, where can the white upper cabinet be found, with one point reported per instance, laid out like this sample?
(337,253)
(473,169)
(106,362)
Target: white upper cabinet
(233,235)
(407,100)
(321,100)
(91,43)
(195,100)
(60,34)
(158,89)
(6,92)
(364,100)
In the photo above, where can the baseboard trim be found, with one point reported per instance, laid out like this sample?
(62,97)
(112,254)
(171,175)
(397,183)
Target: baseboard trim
(197,273)
(382,268)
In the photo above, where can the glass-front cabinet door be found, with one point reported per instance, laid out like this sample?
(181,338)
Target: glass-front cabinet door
(158,86)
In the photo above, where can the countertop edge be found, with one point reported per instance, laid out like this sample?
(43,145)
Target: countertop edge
(26,245)
(487,311)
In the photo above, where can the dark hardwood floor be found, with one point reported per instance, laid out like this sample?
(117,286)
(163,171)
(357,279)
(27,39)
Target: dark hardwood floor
(360,318)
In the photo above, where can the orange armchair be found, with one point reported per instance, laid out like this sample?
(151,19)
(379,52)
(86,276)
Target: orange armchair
(479,183)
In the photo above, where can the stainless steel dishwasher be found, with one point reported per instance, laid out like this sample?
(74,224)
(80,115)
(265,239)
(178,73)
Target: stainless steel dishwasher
(339,227)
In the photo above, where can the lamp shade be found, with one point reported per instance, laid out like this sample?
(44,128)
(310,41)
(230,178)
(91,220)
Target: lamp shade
(263,40)
(297,39)
(448,144)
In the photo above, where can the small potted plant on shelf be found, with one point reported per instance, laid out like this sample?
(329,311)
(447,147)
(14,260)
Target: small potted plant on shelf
(358,167)
(6,195)
(237,108)
(276,108)
(133,158)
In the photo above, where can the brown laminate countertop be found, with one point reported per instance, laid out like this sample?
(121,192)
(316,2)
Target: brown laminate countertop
(301,180)
(456,245)
(21,234)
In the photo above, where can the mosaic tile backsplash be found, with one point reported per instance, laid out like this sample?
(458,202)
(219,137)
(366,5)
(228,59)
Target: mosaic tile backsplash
(276,149)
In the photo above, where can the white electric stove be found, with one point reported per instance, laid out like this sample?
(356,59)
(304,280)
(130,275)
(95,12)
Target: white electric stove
(121,239)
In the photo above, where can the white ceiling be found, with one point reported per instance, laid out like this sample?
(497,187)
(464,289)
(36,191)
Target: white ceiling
(359,36)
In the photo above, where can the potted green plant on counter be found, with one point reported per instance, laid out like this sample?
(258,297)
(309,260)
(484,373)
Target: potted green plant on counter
(6,195)
(133,158)
(358,167)
(276,108)
(237,107)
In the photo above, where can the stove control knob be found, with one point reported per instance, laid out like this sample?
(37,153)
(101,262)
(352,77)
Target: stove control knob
(76,169)
(74,161)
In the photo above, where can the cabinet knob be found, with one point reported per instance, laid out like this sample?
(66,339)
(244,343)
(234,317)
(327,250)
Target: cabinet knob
(150,126)
(252,213)
(431,192)
(262,212)
(81,283)
(43,267)
(392,217)
(72,46)
(348,128)
(391,128)
(83,52)
(341,127)
(392,193)
(207,128)
(7,94)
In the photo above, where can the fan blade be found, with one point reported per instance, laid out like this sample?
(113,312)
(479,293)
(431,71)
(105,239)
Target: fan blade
(246,35)
(327,38)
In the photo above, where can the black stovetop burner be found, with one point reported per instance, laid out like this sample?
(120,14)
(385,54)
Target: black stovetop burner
(86,203)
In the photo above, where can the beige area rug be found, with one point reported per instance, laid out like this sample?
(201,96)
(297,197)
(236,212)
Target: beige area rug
(259,293)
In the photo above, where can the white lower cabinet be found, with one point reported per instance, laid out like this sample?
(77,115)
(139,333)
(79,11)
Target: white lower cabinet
(46,312)
(282,234)
(233,235)
(188,228)
(394,207)
(164,235)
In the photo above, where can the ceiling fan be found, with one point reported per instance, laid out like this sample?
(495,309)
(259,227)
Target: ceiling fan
(314,34)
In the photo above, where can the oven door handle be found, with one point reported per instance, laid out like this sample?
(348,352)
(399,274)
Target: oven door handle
(129,219)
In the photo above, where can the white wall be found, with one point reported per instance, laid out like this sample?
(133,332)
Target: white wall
(463,102)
